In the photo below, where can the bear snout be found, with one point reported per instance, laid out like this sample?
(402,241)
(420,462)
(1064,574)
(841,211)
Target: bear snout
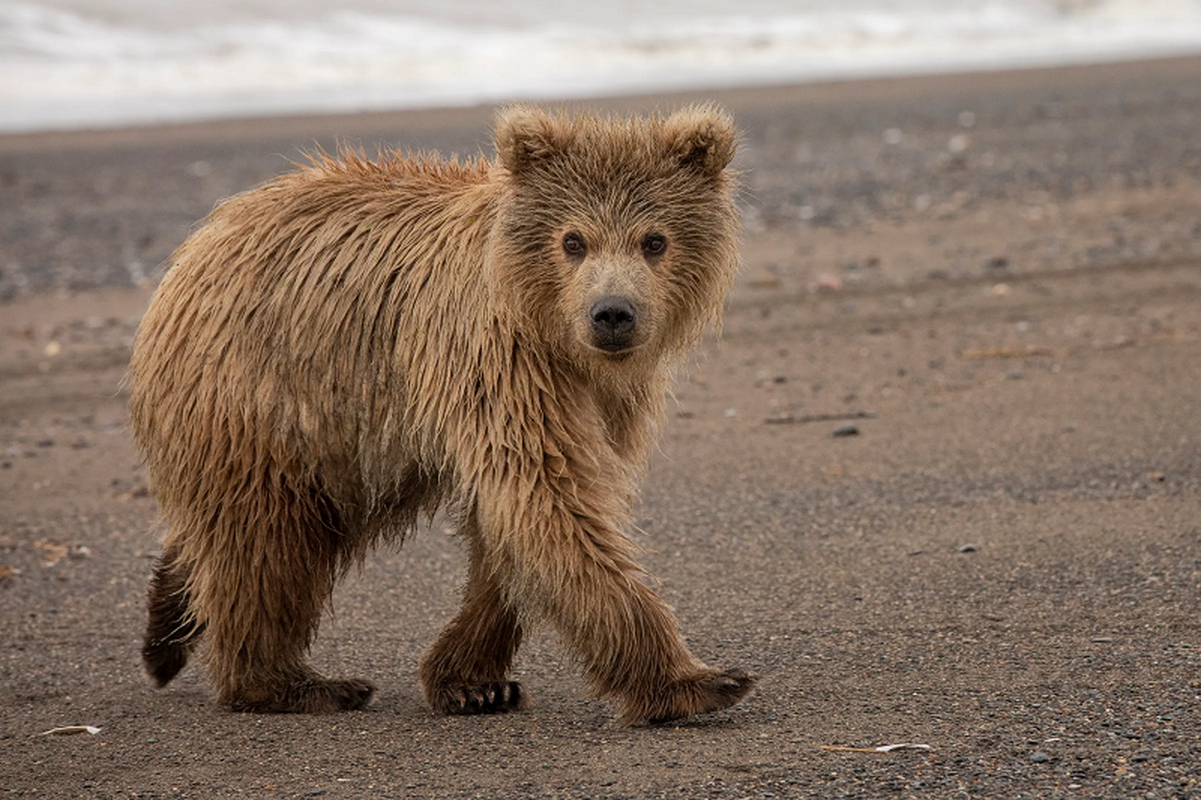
(613,322)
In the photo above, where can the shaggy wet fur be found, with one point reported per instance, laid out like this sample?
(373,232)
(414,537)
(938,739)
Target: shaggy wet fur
(357,343)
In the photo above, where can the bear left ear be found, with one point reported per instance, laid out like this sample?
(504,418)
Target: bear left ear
(527,135)
(701,138)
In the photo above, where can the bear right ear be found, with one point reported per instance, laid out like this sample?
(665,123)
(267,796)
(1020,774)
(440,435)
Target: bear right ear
(527,135)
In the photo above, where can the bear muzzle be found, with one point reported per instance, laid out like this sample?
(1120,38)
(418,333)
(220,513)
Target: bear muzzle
(614,323)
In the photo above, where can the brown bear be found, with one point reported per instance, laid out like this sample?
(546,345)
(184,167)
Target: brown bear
(357,343)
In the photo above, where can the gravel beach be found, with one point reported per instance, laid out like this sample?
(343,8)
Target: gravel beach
(937,482)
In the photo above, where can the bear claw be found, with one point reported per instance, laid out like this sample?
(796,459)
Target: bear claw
(735,683)
(491,697)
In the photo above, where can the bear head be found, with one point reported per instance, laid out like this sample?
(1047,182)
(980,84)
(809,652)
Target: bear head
(615,239)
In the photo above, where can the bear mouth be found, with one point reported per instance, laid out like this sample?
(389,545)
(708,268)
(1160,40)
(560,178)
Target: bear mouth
(614,346)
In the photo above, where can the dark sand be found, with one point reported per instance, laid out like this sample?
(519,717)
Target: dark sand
(1004,563)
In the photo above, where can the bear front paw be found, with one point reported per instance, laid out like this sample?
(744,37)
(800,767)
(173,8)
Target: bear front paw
(711,690)
(490,697)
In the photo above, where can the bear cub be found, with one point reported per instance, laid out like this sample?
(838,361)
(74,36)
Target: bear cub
(357,343)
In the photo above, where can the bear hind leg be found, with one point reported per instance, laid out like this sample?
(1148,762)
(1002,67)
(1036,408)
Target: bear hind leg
(262,604)
(257,657)
(170,632)
(466,670)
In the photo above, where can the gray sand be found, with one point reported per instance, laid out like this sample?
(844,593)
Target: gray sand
(1002,561)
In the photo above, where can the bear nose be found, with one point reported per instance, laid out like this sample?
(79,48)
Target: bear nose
(613,316)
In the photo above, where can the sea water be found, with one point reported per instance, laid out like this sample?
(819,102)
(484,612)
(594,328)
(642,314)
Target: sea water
(91,63)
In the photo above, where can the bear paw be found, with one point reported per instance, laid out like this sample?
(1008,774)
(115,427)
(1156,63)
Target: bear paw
(308,696)
(491,697)
(687,697)
(163,659)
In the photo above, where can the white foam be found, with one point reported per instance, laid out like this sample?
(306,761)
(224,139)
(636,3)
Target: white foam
(61,68)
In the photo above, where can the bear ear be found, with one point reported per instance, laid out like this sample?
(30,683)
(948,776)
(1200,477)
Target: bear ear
(526,135)
(701,138)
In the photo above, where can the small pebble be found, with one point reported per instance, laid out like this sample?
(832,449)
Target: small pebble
(1039,757)
(847,430)
(967,548)
(829,282)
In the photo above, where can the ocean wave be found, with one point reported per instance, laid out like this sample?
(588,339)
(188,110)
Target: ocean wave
(60,68)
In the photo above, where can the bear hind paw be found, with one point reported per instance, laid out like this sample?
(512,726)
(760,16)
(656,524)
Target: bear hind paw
(308,696)
(163,660)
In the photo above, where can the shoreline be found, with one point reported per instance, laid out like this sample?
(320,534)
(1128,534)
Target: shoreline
(745,97)
(1023,170)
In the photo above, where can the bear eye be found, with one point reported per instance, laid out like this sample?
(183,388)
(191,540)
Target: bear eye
(653,245)
(573,245)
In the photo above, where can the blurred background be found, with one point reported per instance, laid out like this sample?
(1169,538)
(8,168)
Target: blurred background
(94,63)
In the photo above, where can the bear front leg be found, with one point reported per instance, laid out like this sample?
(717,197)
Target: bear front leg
(632,649)
(565,562)
(466,670)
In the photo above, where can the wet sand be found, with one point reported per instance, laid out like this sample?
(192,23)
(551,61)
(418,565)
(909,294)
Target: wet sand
(938,481)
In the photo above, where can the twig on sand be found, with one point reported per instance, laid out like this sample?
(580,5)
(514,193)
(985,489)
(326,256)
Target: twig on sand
(884,748)
(69,729)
